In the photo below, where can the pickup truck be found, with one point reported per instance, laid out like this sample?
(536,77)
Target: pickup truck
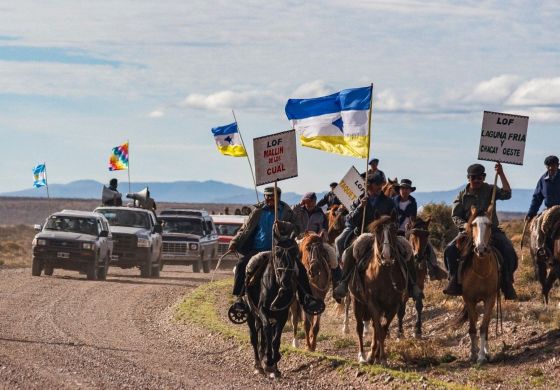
(227,227)
(189,238)
(73,240)
(136,237)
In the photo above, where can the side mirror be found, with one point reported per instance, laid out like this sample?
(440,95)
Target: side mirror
(37,228)
(158,229)
(104,233)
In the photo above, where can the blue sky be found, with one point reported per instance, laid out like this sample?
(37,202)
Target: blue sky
(76,81)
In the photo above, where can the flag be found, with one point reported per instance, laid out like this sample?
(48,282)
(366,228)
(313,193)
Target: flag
(118,160)
(337,123)
(40,176)
(229,141)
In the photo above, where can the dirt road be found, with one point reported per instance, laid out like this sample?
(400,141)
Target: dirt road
(66,332)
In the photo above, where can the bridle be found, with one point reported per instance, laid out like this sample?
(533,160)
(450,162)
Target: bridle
(386,245)
(317,256)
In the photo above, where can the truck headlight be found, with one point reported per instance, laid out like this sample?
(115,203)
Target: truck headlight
(143,243)
(39,242)
(88,245)
(193,247)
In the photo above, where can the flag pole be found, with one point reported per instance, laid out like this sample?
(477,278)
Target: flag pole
(128,167)
(246,155)
(367,159)
(47,185)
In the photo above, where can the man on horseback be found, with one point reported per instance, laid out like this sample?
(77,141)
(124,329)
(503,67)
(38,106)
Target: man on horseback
(479,194)
(256,236)
(373,163)
(311,218)
(330,199)
(547,190)
(375,204)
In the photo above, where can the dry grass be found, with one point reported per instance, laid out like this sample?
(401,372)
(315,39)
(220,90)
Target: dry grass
(15,245)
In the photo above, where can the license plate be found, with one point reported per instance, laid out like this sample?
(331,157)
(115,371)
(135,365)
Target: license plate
(63,255)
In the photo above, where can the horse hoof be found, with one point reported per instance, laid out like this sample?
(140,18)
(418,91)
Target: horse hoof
(482,360)
(418,335)
(258,371)
(345,329)
(275,374)
(361,359)
(295,343)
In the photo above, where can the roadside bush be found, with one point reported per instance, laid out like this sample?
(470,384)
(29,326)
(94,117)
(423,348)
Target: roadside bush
(442,229)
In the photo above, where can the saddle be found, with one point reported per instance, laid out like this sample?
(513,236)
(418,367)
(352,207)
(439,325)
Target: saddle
(466,262)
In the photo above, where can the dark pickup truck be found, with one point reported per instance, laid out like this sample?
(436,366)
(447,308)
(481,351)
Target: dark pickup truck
(137,239)
(73,240)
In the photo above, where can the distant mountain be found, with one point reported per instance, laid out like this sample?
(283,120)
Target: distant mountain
(212,191)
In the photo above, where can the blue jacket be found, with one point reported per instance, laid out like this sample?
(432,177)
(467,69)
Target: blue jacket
(410,211)
(548,190)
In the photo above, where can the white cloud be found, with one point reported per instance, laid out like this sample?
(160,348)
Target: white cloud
(537,92)
(495,90)
(312,89)
(157,113)
(254,100)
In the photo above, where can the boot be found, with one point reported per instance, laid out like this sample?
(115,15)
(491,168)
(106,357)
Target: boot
(508,290)
(453,288)
(336,274)
(349,263)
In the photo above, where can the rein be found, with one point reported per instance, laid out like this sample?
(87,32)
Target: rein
(315,256)
(394,250)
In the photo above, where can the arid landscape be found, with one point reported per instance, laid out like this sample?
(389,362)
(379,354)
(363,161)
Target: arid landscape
(173,332)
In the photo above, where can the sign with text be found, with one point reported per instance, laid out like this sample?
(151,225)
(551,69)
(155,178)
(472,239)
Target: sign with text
(503,137)
(275,157)
(350,187)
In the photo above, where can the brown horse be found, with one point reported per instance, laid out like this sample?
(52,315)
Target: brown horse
(336,218)
(390,188)
(378,293)
(418,236)
(480,278)
(315,255)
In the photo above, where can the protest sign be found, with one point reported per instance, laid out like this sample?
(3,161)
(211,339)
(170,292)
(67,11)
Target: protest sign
(503,137)
(350,187)
(275,157)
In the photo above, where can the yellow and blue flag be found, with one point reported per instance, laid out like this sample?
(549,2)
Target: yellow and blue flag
(336,123)
(228,140)
(40,176)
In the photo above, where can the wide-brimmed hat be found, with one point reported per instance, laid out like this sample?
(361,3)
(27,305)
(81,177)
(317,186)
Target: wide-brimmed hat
(375,178)
(406,183)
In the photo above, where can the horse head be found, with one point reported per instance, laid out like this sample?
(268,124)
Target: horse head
(384,230)
(389,189)
(479,227)
(313,254)
(336,217)
(418,236)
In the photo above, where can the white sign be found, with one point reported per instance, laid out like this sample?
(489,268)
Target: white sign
(275,157)
(503,137)
(350,188)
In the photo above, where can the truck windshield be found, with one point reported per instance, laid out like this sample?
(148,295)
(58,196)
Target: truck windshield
(126,217)
(185,226)
(73,224)
(227,229)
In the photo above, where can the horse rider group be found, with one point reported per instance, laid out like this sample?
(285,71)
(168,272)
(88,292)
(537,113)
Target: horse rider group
(256,234)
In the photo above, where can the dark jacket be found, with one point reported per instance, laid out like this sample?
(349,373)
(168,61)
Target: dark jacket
(548,190)
(382,205)
(480,198)
(244,239)
(313,221)
(410,211)
(330,199)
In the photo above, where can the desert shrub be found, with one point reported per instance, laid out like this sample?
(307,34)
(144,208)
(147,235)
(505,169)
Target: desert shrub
(442,229)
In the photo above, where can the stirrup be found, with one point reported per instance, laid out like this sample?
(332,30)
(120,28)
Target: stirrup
(238,312)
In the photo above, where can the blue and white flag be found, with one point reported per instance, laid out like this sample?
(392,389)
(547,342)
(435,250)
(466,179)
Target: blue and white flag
(337,123)
(228,140)
(39,176)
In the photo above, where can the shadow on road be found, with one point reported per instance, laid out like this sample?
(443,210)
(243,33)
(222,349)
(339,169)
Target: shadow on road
(67,344)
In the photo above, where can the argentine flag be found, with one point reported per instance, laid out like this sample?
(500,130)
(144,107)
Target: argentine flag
(337,123)
(229,141)
(39,176)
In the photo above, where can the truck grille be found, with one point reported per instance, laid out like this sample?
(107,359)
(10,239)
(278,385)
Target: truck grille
(62,244)
(175,247)
(222,248)
(124,242)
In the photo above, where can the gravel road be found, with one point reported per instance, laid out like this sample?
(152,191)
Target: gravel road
(66,332)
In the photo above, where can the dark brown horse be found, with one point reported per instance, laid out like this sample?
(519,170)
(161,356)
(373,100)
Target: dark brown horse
(418,236)
(315,255)
(336,217)
(379,292)
(480,278)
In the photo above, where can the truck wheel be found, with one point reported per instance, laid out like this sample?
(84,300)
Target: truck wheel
(48,270)
(206,265)
(102,273)
(91,272)
(156,267)
(146,268)
(36,267)
(197,265)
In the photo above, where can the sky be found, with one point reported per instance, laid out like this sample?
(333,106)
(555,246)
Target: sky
(78,78)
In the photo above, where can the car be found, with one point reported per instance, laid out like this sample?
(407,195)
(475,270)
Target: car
(73,240)
(137,239)
(227,227)
(189,238)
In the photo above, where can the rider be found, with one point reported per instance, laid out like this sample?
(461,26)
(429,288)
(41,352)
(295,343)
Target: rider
(376,203)
(311,218)
(479,194)
(116,200)
(330,199)
(547,190)
(373,163)
(256,236)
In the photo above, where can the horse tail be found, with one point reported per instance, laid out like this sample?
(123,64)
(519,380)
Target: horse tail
(461,317)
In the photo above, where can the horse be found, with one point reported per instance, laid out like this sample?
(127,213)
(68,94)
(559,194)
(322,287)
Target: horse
(380,291)
(315,256)
(336,219)
(547,265)
(479,277)
(265,325)
(418,236)
(390,188)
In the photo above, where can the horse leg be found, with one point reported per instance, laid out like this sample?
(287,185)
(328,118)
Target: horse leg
(296,313)
(473,318)
(359,330)
(254,334)
(418,326)
(551,278)
(307,326)
(347,301)
(376,352)
(400,316)
(389,317)
(315,331)
(483,354)
(274,372)
(367,328)
(540,271)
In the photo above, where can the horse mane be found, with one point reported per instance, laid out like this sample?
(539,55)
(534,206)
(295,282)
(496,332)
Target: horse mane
(310,239)
(372,227)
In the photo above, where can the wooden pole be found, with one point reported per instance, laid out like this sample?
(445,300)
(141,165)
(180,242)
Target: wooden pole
(247,155)
(367,159)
